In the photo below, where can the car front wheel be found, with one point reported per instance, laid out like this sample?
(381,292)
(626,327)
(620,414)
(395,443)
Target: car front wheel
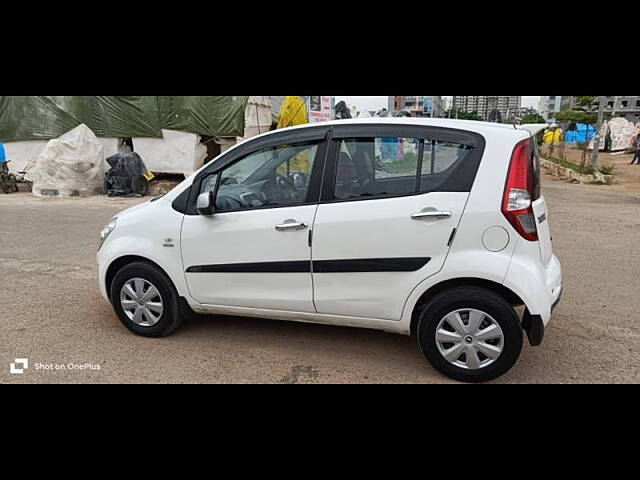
(145,300)
(470,334)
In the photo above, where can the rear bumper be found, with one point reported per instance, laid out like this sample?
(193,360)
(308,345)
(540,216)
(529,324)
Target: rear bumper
(555,304)
(538,285)
(534,325)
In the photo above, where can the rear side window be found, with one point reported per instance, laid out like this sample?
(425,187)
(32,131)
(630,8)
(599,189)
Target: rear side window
(395,166)
(535,169)
(373,167)
(439,161)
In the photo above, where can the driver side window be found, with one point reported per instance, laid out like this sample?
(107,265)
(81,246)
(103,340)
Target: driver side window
(271,177)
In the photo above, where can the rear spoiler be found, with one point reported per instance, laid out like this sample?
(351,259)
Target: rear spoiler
(532,128)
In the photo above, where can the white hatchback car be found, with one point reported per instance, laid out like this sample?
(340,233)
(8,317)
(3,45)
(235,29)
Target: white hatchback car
(427,226)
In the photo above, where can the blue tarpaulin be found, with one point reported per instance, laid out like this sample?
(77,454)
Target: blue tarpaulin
(584,133)
(3,157)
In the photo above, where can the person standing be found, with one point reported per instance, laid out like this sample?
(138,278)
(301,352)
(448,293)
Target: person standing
(636,148)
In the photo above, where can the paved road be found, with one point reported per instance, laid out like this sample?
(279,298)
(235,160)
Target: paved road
(52,313)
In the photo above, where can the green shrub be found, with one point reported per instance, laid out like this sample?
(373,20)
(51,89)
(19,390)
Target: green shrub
(564,163)
(607,168)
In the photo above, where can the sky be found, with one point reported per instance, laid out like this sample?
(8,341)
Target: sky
(376,103)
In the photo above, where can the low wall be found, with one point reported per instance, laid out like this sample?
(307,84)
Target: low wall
(176,152)
(571,175)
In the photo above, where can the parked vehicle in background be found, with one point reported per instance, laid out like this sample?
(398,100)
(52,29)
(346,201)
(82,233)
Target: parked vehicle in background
(8,181)
(429,227)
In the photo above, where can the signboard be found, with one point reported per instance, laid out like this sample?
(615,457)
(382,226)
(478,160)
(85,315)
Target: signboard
(427,107)
(320,109)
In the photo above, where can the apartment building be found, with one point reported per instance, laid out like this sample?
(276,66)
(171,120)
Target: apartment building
(626,107)
(517,114)
(549,105)
(484,105)
(416,105)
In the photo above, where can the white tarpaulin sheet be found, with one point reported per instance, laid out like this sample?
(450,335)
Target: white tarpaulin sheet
(177,152)
(25,153)
(258,117)
(70,165)
(621,131)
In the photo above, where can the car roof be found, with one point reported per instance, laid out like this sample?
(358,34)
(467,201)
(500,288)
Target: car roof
(483,128)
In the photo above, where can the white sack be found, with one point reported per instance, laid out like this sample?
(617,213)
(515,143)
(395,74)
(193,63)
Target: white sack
(70,165)
(177,152)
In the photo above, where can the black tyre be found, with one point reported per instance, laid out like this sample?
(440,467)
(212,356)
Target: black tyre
(145,300)
(470,334)
(13,183)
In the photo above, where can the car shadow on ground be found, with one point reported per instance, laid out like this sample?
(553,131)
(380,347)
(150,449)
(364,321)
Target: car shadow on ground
(369,351)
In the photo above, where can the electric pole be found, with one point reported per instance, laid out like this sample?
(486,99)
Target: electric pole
(596,137)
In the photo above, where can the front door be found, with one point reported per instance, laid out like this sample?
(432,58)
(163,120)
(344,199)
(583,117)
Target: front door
(254,251)
(387,219)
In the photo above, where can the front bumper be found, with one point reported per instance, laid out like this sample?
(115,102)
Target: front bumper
(102,274)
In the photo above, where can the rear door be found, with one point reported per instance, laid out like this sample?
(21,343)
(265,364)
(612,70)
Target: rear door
(392,199)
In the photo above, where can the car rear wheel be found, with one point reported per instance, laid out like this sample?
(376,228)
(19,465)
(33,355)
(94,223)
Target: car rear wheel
(145,300)
(470,334)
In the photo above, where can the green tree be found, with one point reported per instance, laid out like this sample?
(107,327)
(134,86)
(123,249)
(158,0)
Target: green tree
(532,118)
(585,111)
(462,115)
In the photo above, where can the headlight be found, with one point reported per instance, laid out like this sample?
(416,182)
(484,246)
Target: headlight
(106,231)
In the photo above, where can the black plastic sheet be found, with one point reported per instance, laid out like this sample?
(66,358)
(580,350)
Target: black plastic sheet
(126,170)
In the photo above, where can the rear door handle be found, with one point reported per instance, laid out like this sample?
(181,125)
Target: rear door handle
(431,214)
(291,225)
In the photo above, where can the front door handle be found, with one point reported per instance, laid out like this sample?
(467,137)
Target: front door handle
(431,214)
(291,225)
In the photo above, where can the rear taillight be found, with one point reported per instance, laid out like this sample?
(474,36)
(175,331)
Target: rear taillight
(518,193)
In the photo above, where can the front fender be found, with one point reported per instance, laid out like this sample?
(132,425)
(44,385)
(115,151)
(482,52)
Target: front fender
(152,233)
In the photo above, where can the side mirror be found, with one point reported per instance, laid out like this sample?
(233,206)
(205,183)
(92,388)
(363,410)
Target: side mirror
(205,204)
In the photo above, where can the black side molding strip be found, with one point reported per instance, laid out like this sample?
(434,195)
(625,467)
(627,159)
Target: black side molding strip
(302,266)
(370,265)
(410,264)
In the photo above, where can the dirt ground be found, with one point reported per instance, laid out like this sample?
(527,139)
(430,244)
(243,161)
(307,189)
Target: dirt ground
(626,177)
(52,312)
